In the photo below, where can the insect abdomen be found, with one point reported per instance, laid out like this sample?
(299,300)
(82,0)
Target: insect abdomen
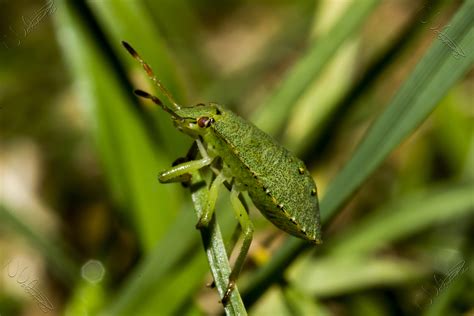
(278,183)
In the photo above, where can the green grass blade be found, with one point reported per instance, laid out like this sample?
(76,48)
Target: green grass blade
(153,279)
(430,81)
(300,303)
(135,20)
(275,111)
(53,250)
(178,290)
(181,25)
(443,301)
(127,151)
(406,217)
(234,89)
(434,75)
(215,249)
(335,275)
(148,277)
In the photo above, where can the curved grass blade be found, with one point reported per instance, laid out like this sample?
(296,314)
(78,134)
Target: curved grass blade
(126,150)
(176,18)
(335,275)
(406,217)
(130,21)
(53,250)
(274,112)
(149,276)
(435,74)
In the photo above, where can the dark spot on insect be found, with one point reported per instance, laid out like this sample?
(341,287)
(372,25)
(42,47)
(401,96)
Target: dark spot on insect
(255,176)
(313,192)
(267,191)
(280,206)
(292,219)
(301,170)
(271,215)
(303,231)
(205,121)
(200,104)
(218,112)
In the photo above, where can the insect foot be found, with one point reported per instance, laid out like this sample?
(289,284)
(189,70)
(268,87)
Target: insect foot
(228,292)
(203,222)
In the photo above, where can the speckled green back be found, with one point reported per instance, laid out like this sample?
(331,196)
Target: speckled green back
(278,182)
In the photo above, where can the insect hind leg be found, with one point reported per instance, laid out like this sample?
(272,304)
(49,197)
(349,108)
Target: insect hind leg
(247,233)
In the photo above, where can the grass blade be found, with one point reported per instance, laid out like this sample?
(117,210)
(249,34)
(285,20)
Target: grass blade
(148,277)
(64,266)
(274,112)
(335,275)
(127,152)
(434,75)
(215,250)
(430,81)
(134,19)
(401,219)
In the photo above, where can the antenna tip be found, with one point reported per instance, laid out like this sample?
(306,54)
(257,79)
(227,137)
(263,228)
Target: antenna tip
(142,94)
(146,95)
(130,49)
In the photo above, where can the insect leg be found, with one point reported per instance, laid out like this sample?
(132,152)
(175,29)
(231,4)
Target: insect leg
(207,213)
(247,232)
(201,148)
(174,174)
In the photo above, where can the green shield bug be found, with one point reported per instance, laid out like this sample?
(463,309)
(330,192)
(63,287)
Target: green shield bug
(249,160)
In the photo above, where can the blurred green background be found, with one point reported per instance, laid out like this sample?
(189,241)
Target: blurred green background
(375,96)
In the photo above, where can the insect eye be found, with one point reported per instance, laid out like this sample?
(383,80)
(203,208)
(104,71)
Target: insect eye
(205,121)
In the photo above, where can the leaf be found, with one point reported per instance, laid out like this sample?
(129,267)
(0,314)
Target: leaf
(272,115)
(127,152)
(215,249)
(438,71)
(123,20)
(63,264)
(403,218)
(430,81)
(338,275)
(149,275)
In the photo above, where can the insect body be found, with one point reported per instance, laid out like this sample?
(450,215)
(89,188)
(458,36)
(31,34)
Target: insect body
(278,183)
(241,154)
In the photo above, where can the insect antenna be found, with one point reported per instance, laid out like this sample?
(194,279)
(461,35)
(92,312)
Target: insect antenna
(151,75)
(155,100)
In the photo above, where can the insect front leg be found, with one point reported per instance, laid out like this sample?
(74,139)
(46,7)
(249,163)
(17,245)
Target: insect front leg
(207,213)
(175,173)
(247,233)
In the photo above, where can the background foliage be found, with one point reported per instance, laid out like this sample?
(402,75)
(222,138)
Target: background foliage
(375,96)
